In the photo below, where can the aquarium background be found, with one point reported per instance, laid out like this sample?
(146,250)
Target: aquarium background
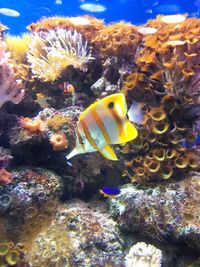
(134,11)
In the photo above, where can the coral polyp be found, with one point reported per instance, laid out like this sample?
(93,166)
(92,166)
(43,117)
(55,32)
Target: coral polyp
(52,52)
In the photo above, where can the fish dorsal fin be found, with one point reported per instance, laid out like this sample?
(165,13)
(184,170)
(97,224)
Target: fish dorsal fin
(108,153)
(129,133)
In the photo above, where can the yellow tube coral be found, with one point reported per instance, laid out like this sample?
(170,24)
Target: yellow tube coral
(166,172)
(181,163)
(159,154)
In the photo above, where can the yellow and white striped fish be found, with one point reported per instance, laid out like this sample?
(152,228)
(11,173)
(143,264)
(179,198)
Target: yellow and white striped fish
(104,123)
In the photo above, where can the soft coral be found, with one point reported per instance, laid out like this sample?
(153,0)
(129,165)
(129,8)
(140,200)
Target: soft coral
(10,85)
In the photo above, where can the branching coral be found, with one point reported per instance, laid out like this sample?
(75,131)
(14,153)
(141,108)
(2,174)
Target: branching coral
(53,51)
(143,255)
(11,87)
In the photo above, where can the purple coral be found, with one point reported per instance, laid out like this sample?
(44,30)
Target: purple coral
(10,85)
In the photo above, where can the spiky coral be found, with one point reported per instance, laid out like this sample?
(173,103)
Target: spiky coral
(53,51)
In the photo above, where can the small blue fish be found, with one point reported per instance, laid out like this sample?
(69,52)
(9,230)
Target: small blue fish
(187,144)
(110,192)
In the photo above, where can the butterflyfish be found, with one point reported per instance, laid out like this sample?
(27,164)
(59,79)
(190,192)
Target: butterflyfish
(110,192)
(102,124)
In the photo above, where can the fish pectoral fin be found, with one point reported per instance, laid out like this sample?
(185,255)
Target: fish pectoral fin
(108,153)
(129,133)
(73,153)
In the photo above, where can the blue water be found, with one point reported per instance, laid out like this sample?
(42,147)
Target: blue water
(134,11)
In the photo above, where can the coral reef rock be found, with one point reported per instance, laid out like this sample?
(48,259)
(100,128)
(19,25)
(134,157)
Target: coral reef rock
(27,200)
(78,236)
(169,211)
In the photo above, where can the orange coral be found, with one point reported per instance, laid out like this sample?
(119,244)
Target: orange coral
(5,177)
(169,58)
(59,141)
(33,126)
(119,39)
(89,29)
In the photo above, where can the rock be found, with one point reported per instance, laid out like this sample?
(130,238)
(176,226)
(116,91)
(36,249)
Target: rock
(78,236)
(5,157)
(27,201)
(168,211)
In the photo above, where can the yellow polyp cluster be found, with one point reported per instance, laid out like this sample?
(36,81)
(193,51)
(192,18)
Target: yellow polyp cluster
(169,59)
(18,47)
(10,254)
(119,39)
(166,81)
(57,121)
(158,152)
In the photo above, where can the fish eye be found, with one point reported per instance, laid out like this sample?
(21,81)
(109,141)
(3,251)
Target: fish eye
(82,142)
(111,105)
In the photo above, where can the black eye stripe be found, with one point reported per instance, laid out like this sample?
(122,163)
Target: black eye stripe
(111,105)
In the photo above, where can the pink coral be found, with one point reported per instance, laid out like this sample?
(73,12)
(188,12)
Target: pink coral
(10,85)
(5,177)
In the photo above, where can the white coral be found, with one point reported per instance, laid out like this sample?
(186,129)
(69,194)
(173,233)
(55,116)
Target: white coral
(51,52)
(143,255)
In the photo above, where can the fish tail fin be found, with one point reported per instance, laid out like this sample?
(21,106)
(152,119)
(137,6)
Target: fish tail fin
(108,153)
(73,153)
(135,113)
